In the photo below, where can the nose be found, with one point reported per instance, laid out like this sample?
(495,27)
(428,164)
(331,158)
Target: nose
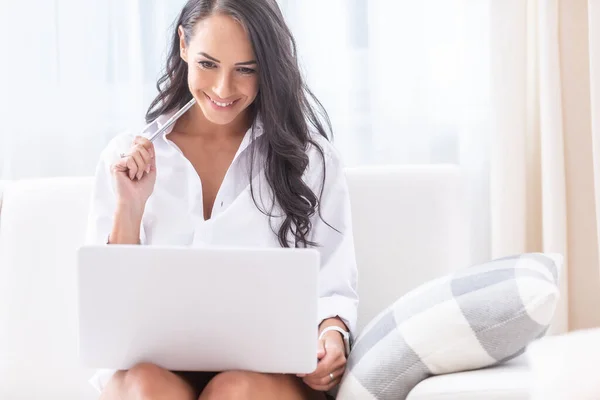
(223,86)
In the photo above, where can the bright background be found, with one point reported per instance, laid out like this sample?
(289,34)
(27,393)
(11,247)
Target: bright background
(503,88)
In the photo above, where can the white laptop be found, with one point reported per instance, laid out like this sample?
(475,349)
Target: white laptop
(191,309)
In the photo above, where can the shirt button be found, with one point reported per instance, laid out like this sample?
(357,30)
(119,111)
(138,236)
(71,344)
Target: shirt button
(221,204)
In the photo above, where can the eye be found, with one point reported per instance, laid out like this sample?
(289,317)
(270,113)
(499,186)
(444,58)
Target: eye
(207,64)
(246,71)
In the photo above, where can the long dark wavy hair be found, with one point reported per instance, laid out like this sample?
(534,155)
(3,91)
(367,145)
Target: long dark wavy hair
(288,110)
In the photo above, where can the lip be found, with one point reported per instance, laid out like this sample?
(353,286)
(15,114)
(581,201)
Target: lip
(217,107)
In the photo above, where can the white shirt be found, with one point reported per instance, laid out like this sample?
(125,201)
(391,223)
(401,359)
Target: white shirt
(174,212)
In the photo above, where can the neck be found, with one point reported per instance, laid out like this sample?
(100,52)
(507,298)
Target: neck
(194,123)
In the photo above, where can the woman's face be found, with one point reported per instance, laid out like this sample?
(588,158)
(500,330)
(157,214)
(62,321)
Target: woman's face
(222,67)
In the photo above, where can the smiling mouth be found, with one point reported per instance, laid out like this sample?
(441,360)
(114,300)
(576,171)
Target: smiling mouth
(219,104)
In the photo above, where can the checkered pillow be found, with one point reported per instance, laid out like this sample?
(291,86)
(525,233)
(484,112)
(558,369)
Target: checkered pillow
(471,319)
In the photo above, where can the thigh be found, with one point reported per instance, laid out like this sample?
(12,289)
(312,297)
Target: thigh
(257,386)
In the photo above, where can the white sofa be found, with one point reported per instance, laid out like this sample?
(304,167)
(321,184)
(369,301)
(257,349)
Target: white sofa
(410,226)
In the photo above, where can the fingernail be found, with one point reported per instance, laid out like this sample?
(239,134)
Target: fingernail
(148,168)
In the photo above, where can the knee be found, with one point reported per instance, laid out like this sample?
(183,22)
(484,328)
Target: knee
(142,379)
(229,386)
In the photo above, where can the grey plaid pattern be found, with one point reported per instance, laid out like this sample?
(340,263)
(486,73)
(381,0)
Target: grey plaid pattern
(474,318)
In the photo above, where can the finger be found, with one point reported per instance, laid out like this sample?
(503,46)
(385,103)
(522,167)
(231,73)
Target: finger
(326,379)
(144,142)
(321,352)
(120,165)
(145,154)
(334,359)
(152,165)
(337,375)
(132,167)
(141,165)
(330,384)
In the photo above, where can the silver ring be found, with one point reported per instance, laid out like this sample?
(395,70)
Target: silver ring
(331,376)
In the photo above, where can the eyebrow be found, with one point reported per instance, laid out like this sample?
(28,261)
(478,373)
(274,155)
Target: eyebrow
(217,61)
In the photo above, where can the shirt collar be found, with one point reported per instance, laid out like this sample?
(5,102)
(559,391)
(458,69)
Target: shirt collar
(249,137)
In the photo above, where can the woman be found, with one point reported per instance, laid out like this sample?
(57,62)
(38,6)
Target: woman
(248,165)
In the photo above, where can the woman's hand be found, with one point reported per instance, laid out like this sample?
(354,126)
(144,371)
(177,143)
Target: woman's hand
(135,175)
(332,363)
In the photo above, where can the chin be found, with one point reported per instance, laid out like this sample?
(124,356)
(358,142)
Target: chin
(219,119)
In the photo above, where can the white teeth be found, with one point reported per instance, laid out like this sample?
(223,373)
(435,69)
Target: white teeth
(222,104)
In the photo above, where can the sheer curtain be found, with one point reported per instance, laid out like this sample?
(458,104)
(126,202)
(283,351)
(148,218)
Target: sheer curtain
(74,73)
(404,81)
(545,163)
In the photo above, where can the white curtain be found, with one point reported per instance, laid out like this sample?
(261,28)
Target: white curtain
(404,81)
(75,73)
(545,160)
(527,158)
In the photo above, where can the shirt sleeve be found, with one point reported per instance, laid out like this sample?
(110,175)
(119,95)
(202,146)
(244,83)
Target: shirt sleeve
(332,231)
(103,196)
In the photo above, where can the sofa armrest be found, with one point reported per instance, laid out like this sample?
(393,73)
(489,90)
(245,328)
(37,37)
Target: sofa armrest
(43,223)
(3,185)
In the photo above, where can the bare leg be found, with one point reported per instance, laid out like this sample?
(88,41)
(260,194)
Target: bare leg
(240,385)
(147,382)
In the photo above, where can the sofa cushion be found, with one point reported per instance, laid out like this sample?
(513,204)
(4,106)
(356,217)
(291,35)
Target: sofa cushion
(509,381)
(470,319)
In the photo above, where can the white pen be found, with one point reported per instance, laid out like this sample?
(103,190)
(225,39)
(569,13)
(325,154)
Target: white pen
(170,122)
